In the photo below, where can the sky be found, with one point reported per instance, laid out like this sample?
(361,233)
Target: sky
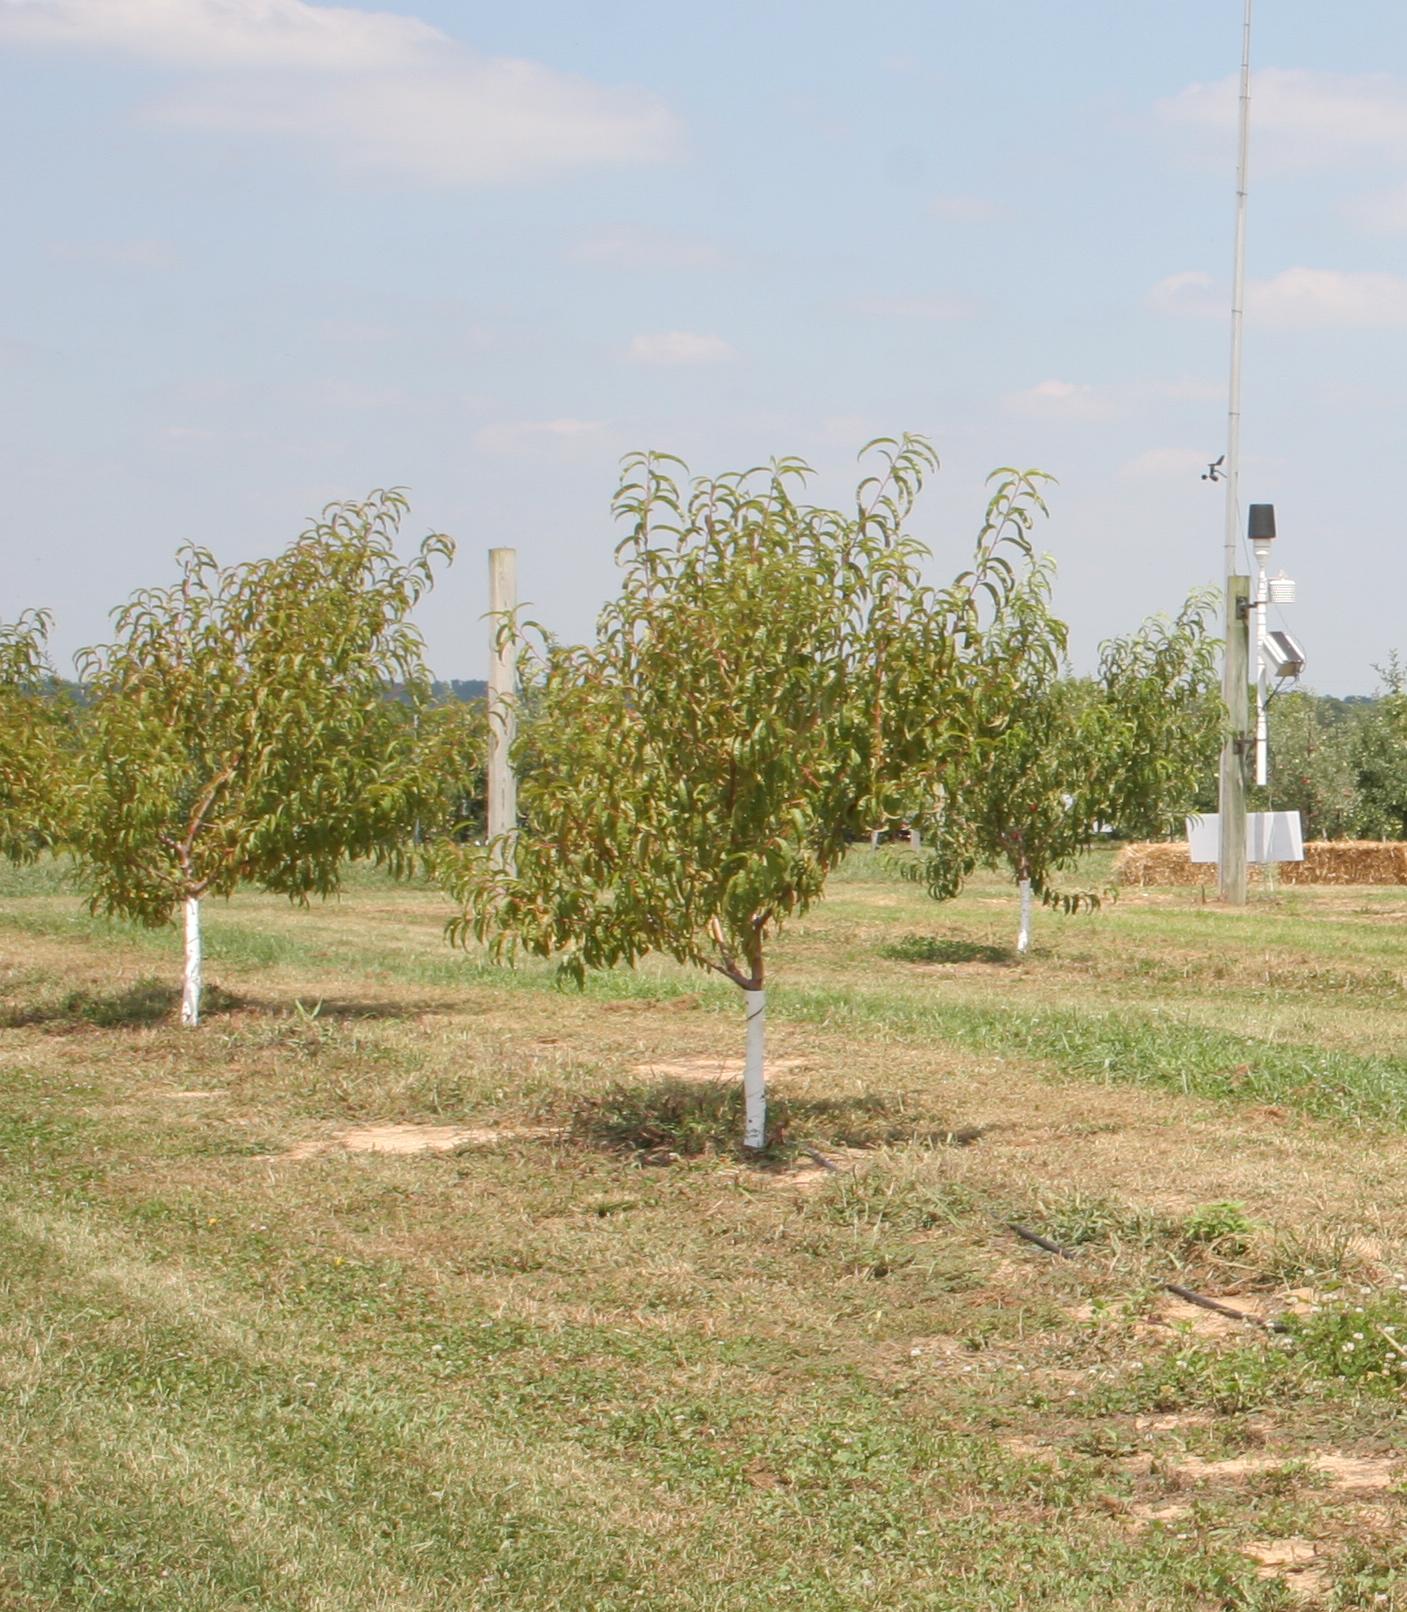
(265,254)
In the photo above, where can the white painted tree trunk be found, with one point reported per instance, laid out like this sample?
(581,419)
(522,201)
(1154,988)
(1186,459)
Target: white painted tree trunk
(1023,939)
(190,988)
(754,1083)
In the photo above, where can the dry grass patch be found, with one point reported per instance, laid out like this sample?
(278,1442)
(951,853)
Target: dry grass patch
(387,1378)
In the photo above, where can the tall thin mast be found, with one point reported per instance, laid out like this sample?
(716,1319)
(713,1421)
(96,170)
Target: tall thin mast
(1238,301)
(1232,802)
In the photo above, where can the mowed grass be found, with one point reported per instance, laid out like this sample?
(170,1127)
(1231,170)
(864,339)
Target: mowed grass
(585,1355)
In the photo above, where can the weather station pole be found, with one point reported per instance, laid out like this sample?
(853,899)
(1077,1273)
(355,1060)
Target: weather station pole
(1231,858)
(1261,530)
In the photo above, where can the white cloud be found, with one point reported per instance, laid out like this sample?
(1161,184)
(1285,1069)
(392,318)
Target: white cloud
(115,254)
(353,332)
(1295,299)
(1165,464)
(964,209)
(1309,299)
(1060,400)
(226,33)
(1301,118)
(640,249)
(515,438)
(356,396)
(679,347)
(188,435)
(1190,292)
(936,307)
(367,90)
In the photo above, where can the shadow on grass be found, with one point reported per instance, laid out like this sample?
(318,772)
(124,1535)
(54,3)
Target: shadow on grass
(662,1120)
(135,1006)
(938,949)
(345,1010)
(312,1010)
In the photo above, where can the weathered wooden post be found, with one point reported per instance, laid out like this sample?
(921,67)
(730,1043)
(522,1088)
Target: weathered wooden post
(502,695)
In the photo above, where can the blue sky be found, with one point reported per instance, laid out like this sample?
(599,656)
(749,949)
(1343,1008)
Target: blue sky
(262,254)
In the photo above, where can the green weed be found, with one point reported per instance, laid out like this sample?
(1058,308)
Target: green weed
(1363,1343)
(944,949)
(1222,1228)
(1076,1219)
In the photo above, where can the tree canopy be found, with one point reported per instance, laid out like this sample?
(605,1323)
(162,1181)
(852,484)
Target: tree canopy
(239,726)
(1124,749)
(36,782)
(769,681)
(772,678)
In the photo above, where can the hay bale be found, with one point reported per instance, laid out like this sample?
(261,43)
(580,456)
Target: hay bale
(1349,862)
(1325,862)
(1153,863)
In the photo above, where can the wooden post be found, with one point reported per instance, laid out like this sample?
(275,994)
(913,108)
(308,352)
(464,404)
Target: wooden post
(503,687)
(1232,836)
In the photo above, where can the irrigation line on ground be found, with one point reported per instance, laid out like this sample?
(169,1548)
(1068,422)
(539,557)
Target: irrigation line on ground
(1190,1295)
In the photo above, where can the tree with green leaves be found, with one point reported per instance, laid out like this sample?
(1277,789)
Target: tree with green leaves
(452,761)
(1126,749)
(1317,745)
(772,679)
(241,725)
(1164,718)
(35,730)
(1379,754)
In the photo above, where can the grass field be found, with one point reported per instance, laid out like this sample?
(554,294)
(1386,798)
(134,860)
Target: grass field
(581,1354)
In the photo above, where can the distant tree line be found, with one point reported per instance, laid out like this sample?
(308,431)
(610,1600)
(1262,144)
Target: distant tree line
(1340,763)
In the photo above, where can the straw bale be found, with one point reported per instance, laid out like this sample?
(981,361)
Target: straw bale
(1349,862)
(1325,862)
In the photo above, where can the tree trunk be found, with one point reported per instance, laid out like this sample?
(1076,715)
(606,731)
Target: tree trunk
(190,987)
(1023,938)
(754,1084)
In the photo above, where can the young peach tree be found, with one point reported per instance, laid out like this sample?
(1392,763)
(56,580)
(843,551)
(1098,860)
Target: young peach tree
(242,729)
(1127,748)
(452,759)
(35,729)
(772,679)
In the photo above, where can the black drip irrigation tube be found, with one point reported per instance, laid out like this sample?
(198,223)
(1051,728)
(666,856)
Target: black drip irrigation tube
(1189,1295)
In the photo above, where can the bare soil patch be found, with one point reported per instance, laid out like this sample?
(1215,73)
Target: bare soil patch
(1347,1472)
(1188,1317)
(1164,1511)
(1294,1560)
(412,1139)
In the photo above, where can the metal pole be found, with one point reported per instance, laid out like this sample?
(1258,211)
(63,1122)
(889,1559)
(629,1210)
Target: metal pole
(1233,757)
(1232,848)
(503,681)
(1262,728)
